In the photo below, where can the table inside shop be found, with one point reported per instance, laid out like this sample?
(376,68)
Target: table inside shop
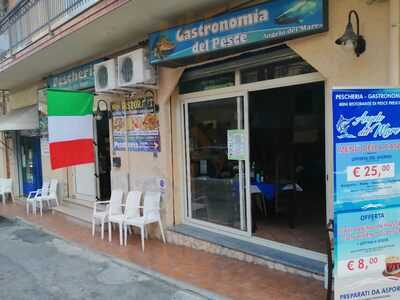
(266,199)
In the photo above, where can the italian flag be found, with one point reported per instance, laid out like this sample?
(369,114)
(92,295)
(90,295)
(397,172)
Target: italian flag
(70,118)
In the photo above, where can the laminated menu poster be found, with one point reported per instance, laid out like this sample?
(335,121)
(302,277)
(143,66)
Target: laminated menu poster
(119,125)
(366,135)
(143,123)
(236,144)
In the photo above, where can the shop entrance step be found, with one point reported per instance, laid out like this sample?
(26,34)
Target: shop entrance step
(76,212)
(221,244)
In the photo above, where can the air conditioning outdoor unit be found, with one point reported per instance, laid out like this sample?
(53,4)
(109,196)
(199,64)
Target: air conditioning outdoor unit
(135,71)
(105,74)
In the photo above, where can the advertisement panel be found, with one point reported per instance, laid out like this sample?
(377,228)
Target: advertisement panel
(263,24)
(367,192)
(143,126)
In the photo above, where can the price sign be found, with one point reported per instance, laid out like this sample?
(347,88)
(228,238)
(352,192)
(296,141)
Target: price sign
(361,265)
(369,172)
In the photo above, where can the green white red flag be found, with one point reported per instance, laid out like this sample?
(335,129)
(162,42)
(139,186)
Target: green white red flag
(70,121)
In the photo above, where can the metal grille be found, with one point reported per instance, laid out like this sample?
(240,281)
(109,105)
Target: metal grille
(102,76)
(127,69)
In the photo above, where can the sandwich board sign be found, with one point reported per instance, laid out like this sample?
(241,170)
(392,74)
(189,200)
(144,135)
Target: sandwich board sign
(366,141)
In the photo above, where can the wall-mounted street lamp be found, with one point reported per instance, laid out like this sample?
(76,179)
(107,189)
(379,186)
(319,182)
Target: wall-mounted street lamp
(101,111)
(350,39)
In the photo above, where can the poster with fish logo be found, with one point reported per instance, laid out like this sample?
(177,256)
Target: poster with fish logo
(267,23)
(366,140)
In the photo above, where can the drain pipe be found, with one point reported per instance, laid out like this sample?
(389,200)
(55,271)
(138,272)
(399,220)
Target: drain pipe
(4,139)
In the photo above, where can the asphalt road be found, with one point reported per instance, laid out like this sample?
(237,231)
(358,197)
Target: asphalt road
(37,265)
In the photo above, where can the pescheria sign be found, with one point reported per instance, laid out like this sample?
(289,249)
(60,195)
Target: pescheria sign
(249,27)
(366,184)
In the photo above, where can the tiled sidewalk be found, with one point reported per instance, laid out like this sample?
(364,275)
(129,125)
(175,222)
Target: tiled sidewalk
(221,275)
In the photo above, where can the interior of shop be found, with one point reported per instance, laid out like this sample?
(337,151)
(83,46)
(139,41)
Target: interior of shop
(214,185)
(287,158)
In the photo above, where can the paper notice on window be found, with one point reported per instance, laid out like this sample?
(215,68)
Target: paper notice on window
(236,144)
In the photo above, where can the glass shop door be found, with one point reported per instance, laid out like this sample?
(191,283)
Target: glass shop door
(31,164)
(216,156)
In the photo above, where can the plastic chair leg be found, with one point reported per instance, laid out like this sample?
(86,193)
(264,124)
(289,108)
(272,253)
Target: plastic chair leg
(125,235)
(142,236)
(93,226)
(109,232)
(162,231)
(102,229)
(120,234)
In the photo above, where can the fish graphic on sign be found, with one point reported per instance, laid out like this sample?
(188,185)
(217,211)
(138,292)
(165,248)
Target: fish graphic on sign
(297,12)
(342,126)
(163,47)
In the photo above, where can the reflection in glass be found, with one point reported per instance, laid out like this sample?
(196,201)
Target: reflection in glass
(214,180)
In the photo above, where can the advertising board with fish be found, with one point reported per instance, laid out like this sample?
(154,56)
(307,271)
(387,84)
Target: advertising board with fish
(143,128)
(118,110)
(366,141)
(263,24)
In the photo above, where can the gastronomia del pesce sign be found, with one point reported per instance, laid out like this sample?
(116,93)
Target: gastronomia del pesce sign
(266,23)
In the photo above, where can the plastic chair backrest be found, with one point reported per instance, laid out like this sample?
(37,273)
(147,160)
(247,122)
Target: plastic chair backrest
(132,209)
(116,202)
(151,204)
(53,187)
(45,188)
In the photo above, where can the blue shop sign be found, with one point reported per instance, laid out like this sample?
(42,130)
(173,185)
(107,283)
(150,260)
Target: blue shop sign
(78,78)
(263,24)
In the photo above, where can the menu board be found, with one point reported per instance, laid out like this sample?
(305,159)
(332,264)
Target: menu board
(119,125)
(366,140)
(143,126)
(236,144)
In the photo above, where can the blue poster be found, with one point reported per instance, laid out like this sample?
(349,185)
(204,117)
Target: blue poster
(270,22)
(366,144)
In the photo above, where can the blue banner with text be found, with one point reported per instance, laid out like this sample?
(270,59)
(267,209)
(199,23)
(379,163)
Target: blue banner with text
(265,23)
(366,136)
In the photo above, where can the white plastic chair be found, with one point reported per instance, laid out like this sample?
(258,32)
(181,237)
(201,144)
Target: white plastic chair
(34,196)
(132,210)
(101,214)
(51,195)
(115,215)
(151,214)
(6,189)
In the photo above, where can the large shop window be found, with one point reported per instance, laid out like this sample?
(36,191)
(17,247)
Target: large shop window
(277,190)
(216,183)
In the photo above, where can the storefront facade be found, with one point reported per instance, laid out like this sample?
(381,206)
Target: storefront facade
(235,93)
(242,145)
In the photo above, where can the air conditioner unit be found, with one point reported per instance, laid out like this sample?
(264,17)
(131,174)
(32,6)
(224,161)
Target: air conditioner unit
(105,75)
(135,71)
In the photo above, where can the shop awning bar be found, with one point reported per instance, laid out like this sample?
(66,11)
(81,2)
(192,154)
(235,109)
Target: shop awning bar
(245,61)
